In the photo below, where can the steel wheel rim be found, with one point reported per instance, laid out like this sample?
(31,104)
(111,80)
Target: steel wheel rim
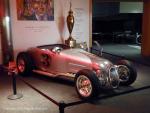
(21,65)
(84,86)
(124,73)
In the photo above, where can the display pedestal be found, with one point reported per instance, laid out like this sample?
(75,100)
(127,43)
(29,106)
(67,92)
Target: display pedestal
(12,71)
(14,97)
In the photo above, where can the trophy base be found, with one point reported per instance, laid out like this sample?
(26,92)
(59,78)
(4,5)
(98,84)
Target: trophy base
(70,42)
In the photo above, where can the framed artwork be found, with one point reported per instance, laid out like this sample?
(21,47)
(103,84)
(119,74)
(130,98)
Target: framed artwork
(35,10)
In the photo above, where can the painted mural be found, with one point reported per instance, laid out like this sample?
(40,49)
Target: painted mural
(35,10)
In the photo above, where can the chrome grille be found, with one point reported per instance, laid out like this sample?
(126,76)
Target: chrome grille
(113,77)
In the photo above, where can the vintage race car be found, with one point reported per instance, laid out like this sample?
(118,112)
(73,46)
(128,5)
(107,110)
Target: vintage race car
(91,73)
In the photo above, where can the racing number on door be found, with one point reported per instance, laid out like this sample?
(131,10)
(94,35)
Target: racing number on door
(45,60)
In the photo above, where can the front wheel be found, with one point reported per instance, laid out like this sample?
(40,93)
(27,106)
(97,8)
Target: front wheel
(127,72)
(87,84)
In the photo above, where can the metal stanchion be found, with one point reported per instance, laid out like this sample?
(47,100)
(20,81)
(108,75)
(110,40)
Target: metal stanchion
(13,73)
(62,106)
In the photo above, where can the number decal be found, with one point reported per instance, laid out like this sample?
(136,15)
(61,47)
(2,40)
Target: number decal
(45,60)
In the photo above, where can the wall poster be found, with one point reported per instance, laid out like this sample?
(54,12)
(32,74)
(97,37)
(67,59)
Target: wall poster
(35,10)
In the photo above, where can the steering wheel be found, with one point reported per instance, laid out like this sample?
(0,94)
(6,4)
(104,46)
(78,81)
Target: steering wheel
(57,49)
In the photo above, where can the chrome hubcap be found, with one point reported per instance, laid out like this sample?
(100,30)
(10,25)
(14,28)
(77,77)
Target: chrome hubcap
(21,65)
(124,73)
(84,86)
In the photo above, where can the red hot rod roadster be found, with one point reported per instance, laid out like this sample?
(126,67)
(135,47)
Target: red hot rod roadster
(91,73)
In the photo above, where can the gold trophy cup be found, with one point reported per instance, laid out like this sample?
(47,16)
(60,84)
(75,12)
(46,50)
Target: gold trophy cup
(70,23)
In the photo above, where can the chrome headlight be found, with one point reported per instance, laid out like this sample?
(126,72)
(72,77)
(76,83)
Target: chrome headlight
(103,78)
(113,77)
(109,79)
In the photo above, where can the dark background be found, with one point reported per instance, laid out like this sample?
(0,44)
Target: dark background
(107,20)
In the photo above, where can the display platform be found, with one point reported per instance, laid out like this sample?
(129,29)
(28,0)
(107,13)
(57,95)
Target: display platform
(62,89)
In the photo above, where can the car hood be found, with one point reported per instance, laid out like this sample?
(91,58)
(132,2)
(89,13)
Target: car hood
(82,55)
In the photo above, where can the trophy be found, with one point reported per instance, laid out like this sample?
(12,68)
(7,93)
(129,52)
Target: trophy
(70,23)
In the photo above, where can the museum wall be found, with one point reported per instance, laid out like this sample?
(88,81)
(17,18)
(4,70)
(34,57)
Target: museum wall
(27,33)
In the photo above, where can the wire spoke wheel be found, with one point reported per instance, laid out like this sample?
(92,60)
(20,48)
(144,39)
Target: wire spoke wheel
(84,86)
(87,84)
(24,63)
(127,72)
(21,65)
(124,73)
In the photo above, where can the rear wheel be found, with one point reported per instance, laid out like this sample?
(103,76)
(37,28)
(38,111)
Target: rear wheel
(87,84)
(24,64)
(127,72)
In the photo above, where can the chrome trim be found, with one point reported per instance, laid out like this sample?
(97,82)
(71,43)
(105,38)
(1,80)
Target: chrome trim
(53,74)
(108,79)
(114,78)
(43,73)
(77,65)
